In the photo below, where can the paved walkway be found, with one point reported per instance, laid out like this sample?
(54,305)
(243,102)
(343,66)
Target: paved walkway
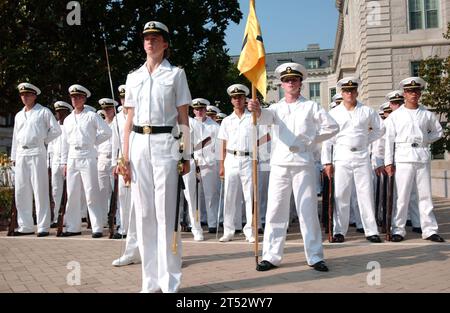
(31,264)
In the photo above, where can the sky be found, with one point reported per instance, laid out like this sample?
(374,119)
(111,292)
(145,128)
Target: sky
(288,25)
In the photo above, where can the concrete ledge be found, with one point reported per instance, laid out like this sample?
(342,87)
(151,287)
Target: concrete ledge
(440,178)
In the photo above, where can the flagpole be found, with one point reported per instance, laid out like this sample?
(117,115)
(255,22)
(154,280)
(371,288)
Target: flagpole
(255,177)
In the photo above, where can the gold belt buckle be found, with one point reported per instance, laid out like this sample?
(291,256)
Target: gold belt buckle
(147,129)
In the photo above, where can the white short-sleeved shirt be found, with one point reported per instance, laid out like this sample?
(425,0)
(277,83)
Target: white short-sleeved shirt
(237,132)
(156,97)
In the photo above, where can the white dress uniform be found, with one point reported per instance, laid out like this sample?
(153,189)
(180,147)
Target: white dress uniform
(153,158)
(124,197)
(58,146)
(237,133)
(126,209)
(84,131)
(297,128)
(207,161)
(104,164)
(264,171)
(412,131)
(352,163)
(104,167)
(190,181)
(33,129)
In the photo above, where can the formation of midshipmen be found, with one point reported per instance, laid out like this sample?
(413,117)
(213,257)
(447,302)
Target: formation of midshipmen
(150,141)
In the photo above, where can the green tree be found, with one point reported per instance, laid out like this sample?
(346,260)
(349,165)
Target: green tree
(436,73)
(37,45)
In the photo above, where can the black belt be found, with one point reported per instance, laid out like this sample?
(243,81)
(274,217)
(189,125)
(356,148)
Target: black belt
(147,129)
(238,153)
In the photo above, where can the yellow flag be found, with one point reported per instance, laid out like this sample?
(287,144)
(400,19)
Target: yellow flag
(252,61)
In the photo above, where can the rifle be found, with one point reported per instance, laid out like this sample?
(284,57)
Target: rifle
(113,207)
(62,210)
(197,180)
(50,192)
(384,190)
(377,199)
(325,183)
(390,200)
(180,187)
(13,219)
(330,203)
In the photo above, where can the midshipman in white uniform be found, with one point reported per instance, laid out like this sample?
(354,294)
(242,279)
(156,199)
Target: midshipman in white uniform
(34,127)
(409,132)
(298,125)
(359,127)
(84,130)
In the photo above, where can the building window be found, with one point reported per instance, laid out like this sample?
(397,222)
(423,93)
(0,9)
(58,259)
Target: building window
(332,93)
(415,65)
(280,92)
(312,63)
(423,14)
(314,92)
(281,61)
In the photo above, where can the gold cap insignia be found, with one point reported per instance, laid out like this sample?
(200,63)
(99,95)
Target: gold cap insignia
(413,83)
(350,83)
(152,25)
(288,69)
(236,90)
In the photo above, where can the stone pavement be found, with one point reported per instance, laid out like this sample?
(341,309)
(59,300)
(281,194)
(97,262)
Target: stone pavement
(31,264)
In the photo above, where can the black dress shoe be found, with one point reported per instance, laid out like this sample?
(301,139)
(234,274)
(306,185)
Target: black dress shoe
(320,266)
(84,220)
(264,266)
(238,231)
(118,236)
(43,234)
(417,230)
(408,223)
(436,238)
(338,238)
(260,231)
(54,225)
(97,235)
(352,225)
(374,238)
(70,234)
(360,230)
(397,238)
(18,233)
(212,230)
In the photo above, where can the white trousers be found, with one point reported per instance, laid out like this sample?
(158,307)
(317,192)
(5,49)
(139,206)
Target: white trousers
(31,179)
(301,181)
(263,182)
(190,195)
(82,175)
(413,210)
(238,180)
(131,246)
(153,190)
(355,217)
(405,174)
(57,188)
(105,183)
(359,173)
(124,207)
(209,181)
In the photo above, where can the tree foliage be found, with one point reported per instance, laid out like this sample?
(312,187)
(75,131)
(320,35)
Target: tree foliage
(436,72)
(37,45)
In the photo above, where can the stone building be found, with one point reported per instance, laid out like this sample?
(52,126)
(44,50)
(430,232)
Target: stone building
(383,42)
